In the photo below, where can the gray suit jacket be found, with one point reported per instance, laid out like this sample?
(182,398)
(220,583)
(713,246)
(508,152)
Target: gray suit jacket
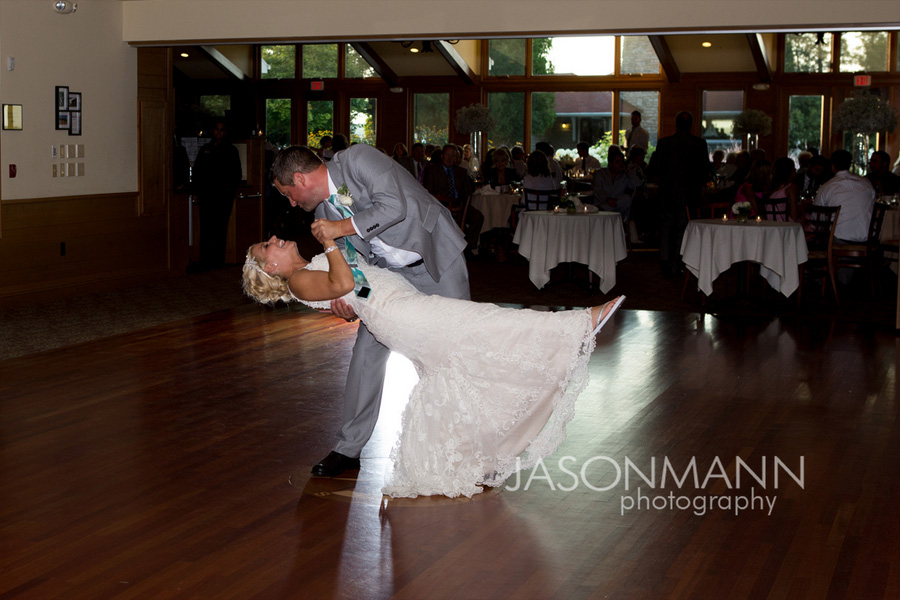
(390,204)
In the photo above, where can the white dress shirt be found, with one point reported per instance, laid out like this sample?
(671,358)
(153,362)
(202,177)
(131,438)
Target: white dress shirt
(638,137)
(856,197)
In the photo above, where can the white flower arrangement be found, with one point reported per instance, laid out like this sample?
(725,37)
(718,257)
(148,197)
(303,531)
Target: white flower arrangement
(475,117)
(741,209)
(344,196)
(865,114)
(565,160)
(751,121)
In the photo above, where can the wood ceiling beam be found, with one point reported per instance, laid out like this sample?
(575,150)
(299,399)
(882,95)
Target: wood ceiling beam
(665,58)
(457,63)
(374,59)
(759,57)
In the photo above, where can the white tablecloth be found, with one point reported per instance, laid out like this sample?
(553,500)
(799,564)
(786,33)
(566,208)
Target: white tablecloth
(711,246)
(547,239)
(495,207)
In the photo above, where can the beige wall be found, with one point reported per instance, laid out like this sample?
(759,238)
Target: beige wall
(166,20)
(84,51)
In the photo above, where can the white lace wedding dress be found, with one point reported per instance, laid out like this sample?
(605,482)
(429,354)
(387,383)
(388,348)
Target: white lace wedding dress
(495,384)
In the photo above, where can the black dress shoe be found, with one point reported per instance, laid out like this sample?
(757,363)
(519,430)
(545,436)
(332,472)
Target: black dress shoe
(334,464)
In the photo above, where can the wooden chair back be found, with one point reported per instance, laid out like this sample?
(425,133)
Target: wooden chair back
(540,199)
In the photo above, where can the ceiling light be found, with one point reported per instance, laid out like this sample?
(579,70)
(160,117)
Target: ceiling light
(65,7)
(706,44)
(184,55)
(414,50)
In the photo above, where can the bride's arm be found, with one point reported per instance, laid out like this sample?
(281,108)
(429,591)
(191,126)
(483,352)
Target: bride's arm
(323,285)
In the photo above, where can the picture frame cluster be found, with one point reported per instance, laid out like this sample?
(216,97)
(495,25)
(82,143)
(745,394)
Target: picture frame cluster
(68,110)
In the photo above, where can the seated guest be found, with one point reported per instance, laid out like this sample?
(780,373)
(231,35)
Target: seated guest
(325,149)
(728,168)
(339,142)
(817,173)
(500,175)
(450,184)
(518,161)
(399,151)
(614,186)
(537,177)
(854,194)
(469,161)
(555,170)
(756,185)
(718,160)
(585,162)
(783,188)
(884,182)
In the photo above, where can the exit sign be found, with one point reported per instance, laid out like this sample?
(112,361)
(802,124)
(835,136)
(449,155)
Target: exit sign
(317,86)
(862,80)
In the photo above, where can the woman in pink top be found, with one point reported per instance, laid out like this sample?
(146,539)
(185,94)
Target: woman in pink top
(783,188)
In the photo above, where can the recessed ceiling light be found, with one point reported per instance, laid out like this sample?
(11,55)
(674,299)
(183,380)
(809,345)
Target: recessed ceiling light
(413,50)
(184,55)
(706,44)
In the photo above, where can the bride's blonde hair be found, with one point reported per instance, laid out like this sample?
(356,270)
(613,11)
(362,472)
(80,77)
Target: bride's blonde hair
(261,286)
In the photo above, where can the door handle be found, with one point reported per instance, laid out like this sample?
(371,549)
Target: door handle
(241,196)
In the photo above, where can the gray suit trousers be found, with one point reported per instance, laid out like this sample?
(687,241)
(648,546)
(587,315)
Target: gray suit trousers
(365,379)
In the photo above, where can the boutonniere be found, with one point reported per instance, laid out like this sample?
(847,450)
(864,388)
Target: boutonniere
(344,196)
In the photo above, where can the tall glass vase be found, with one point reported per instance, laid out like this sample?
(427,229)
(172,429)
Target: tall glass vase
(861,153)
(475,142)
(752,141)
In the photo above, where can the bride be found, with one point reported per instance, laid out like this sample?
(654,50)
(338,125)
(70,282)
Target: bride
(496,388)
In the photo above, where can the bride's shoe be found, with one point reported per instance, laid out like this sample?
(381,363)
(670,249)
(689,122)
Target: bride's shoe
(603,319)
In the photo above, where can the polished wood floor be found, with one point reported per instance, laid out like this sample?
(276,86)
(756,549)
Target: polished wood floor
(174,463)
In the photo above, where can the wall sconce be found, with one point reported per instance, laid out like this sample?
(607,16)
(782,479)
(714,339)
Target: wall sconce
(564,126)
(65,7)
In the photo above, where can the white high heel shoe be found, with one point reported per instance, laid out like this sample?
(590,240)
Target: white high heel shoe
(603,320)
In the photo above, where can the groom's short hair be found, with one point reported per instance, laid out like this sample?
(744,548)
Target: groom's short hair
(294,159)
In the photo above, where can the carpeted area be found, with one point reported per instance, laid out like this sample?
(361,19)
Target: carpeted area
(69,321)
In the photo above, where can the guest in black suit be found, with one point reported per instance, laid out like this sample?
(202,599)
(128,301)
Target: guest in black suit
(448,182)
(681,166)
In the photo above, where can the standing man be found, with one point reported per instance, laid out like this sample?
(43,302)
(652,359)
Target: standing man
(395,224)
(637,136)
(681,166)
(217,173)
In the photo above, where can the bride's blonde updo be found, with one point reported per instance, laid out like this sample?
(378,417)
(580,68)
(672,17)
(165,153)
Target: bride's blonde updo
(261,286)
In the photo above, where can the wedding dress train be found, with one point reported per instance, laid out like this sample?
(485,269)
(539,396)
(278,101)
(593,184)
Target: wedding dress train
(495,384)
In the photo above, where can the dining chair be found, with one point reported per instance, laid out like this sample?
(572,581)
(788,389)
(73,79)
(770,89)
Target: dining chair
(773,210)
(540,199)
(710,210)
(864,255)
(457,207)
(818,224)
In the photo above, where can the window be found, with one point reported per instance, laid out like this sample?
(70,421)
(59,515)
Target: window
(432,118)
(594,55)
(278,121)
(638,57)
(277,62)
(719,110)
(509,110)
(565,118)
(865,51)
(215,106)
(506,57)
(362,120)
(807,53)
(647,103)
(320,61)
(355,66)
(804,124)
(319,121)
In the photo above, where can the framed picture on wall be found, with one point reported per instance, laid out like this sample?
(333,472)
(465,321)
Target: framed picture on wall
(74,101)
(12,117)
(63,119)
(62,98)
(75,123)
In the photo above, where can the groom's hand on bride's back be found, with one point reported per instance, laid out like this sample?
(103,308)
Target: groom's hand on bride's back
(341,309)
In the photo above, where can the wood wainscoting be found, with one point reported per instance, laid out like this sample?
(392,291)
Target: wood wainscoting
(77,244)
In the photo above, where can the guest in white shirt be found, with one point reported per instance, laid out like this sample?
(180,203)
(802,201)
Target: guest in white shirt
(854,194)
(637,135)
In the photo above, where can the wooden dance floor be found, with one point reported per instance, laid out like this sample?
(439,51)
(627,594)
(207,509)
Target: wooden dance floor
(708,458)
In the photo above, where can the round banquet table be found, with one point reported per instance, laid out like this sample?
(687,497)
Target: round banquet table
(710,246)
(547,238)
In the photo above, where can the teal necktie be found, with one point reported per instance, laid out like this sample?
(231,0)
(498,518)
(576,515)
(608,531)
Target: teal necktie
(361,285)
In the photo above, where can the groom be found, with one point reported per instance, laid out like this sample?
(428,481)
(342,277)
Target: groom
(395,224)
